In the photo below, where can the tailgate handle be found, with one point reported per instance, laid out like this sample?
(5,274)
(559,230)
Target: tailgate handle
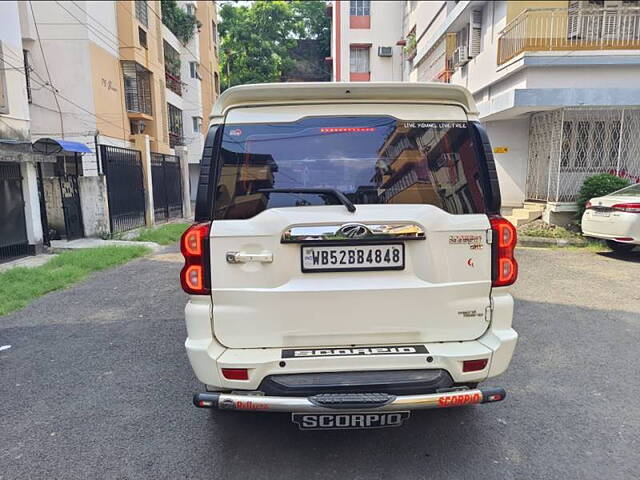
(242,257)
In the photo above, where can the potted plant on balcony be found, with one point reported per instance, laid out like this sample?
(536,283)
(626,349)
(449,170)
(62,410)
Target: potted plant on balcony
(411,47)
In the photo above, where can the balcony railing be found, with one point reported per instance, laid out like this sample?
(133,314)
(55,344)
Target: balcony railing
(554,29)
(173,83)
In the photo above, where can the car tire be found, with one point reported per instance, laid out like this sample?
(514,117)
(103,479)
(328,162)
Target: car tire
(619,246)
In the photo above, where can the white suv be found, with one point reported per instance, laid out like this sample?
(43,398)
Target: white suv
(349,263)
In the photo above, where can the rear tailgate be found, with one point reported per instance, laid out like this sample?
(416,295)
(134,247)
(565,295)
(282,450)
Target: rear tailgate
(442,294)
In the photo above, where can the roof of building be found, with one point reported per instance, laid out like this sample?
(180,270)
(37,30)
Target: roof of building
(320,92)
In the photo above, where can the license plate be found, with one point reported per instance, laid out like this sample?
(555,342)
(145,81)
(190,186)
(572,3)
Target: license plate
(338,258)
(601,213)
(348,421)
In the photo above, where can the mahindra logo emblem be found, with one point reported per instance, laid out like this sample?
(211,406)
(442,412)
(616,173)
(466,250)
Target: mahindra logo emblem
(354,230)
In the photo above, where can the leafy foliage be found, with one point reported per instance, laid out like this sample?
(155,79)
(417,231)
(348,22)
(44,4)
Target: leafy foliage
(257,40)
(412,43)
(597,186)
(182,24)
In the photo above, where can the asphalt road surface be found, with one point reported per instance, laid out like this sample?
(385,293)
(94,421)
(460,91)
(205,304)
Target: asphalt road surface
(96,384)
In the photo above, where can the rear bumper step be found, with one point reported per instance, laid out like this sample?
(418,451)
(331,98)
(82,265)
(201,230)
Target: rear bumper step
(330,402)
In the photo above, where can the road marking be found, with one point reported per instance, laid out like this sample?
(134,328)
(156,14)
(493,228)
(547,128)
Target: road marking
(5,347)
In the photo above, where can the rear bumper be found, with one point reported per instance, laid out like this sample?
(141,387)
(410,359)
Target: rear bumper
(207,356)
(349,402)
(618,225)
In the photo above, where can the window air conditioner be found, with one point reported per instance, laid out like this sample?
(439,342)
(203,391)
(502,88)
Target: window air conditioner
(460,56)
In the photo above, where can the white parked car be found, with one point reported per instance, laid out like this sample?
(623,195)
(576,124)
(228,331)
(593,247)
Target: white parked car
(349,263)
(615,218)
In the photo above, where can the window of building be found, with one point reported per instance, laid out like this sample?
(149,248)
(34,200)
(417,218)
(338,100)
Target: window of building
(175,125)
(216,81)
(197,124)
(214,30)
(137,88)
(27,73)
(359,7)
(172,68)
(142,37)
(193,70)
(359,59)
(191,9)
(141,12)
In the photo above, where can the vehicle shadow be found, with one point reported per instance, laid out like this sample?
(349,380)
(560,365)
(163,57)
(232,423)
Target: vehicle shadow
(632,256)
(271,446)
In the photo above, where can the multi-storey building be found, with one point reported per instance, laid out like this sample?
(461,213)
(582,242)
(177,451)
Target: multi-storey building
(556,83)
(125,71)
(365,41)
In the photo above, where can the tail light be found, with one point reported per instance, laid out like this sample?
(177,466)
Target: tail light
(627,207)
(504,265)
(194,246)
(588,205)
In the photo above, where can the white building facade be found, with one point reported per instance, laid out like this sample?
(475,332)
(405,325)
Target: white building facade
(20,225)
(366,41)
(556,82)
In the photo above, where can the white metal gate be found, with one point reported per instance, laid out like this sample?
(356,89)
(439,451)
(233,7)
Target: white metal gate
(569,145)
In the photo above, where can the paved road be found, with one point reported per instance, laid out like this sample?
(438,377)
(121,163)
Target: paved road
(97,385)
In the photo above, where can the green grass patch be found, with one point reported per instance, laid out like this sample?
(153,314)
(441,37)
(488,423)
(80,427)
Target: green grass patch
(163,235)
(20,285)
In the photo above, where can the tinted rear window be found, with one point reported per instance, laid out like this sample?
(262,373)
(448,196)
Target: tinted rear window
(632,191)
(371,159)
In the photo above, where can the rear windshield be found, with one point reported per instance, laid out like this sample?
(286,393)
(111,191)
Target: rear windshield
(632,191)
(371,159)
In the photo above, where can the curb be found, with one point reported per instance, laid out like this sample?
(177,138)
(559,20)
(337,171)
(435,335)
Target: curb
(525,241)
(155,247)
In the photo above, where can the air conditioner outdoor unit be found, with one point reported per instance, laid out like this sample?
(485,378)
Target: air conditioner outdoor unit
(385,51)
(460,56)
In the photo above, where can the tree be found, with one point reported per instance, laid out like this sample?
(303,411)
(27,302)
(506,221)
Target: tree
(257,39)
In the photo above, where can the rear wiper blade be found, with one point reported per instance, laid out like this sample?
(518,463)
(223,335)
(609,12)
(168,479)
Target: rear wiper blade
(337,194)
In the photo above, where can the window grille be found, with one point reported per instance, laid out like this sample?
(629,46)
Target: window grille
(137,88)
(175,125)
(569,145)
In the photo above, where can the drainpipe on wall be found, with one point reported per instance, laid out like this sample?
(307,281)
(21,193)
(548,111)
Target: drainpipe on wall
(98,157)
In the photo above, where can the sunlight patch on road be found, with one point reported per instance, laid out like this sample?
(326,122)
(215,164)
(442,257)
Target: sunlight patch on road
(168,257)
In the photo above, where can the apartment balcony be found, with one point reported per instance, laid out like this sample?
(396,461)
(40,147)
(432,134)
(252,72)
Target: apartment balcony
(558,29)
(437,64)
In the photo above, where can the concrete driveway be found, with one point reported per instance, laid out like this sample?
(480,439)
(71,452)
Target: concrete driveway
(97,385)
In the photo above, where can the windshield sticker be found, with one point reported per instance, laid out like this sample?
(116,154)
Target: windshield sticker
(438,125)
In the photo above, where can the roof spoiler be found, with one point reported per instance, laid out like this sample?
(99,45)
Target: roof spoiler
(314,92)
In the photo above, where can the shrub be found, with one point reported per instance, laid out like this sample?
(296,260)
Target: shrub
(181,24)
(597,186)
